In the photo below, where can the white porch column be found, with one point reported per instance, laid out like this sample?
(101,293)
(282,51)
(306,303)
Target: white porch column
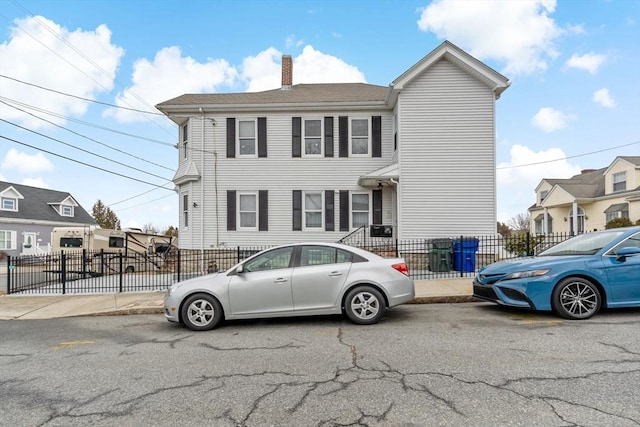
(545,221)
(574,209)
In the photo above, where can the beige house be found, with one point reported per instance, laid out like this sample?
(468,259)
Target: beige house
(587,201)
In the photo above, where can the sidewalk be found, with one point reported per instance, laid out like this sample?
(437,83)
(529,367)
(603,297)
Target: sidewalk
(50,307)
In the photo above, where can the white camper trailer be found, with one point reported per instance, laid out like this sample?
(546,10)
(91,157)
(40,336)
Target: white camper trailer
(108,251)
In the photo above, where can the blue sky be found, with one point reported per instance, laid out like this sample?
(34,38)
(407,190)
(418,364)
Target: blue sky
(573,104)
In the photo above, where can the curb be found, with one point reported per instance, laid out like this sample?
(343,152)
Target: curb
(446,299)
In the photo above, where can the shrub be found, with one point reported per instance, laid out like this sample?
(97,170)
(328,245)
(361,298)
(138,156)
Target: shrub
(618,222)
(517,244)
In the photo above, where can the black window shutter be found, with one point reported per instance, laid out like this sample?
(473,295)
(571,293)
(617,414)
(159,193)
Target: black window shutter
(376,130)
(296,137)
(231,210)
(343,136)
(377,207)
(263,210)
(329,216)
(231,137)
(262,137)
(328,136)
(297,210)
(344,210)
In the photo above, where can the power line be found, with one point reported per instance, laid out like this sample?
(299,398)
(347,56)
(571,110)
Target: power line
(71,119)
(82,149)
(138,195)
(82,163)
(86,137)
(81,98)
(145,203)
(569,157)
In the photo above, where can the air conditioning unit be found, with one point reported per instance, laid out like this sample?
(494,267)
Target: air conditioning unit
(381,231)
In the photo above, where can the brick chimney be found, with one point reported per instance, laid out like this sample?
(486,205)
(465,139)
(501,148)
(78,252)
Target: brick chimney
(287,72)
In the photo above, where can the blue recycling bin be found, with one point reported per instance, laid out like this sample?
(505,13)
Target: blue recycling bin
(464,255)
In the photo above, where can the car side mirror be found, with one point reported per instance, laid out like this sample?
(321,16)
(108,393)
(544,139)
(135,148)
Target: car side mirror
(240,269)
(625,252)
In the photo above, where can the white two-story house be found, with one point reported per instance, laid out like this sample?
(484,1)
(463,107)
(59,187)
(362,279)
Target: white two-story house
(589,200)
(412,160)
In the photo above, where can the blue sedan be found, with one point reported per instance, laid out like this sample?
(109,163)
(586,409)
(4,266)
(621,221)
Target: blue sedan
(574,278)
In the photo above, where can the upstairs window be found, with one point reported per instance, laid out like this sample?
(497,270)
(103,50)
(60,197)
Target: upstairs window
(619,181)
(312,137)
(185,210)
(185,139)
(9,204)
(66,210)
(360,137)
(313,210)
(247,137)
(543,195)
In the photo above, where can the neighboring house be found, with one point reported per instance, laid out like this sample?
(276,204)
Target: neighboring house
(587,201)
(412,160)
(28,215)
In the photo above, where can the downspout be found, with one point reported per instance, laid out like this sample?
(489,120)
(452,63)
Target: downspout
(215,182)
(202,267)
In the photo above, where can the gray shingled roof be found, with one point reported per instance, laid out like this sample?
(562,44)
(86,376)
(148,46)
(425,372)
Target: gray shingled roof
(298,94)
(585,185)
(36,205)
(632,159)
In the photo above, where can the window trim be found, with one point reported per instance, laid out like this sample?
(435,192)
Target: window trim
(239,211)
(239,139)
(352,211)
(319,137)
(13,200)
(369,137)
(10,237)
(304,211)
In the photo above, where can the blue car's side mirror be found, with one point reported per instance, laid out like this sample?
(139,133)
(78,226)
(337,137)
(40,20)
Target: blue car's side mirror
(628,251)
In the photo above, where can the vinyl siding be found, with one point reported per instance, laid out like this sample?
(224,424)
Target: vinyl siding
(279,173)
(447,155)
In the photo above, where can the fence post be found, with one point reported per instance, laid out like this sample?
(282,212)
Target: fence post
(8,275)
(179,263)
(528,244)
(120,269)
(459,255)
(101,262)
(63,274)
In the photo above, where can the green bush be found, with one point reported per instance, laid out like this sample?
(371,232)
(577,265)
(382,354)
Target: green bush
(517,244)
(618,222)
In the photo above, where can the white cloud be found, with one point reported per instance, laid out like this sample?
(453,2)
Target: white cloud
(519,33)
(589,61)
(550,120)
(604,98)
(264,72)
(169,75)
(35,182)
(26,163)
(516,183)
(34,55)
(292,42)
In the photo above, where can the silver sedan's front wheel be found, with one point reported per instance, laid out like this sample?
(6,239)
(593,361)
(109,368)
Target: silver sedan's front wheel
(201,312)
(576,298)
(364,305)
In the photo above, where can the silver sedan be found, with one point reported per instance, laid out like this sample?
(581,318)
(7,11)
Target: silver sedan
(302,279)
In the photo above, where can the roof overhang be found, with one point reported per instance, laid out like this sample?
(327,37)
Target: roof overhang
(386,175)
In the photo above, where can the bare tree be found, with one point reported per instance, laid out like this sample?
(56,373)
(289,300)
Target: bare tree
(520,223)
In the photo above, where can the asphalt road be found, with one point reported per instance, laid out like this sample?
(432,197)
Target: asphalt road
(423,365)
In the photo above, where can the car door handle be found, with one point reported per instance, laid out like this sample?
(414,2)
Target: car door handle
(280,280)
(335,274)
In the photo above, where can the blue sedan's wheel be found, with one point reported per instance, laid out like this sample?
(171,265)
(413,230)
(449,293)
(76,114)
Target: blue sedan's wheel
(364,305)
(201,312)
(576,298)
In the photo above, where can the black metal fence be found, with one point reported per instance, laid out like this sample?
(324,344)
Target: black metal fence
(79,272)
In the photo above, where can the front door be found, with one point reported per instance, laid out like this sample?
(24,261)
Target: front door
(29,243)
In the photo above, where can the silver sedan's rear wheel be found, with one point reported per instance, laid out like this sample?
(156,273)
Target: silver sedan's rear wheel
(201,312)
(576,298)
(364,305)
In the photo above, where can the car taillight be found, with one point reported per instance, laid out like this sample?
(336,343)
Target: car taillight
(402,268)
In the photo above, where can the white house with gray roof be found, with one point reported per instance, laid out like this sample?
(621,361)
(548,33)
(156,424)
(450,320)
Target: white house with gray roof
(29,214)
(412,160)
(589,200)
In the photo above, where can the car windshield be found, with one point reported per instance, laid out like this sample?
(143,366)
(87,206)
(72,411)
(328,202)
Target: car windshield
(584,244)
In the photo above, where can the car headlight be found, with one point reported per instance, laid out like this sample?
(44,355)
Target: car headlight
(525,274)
(171,290)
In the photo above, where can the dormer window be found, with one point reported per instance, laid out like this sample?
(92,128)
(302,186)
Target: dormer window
(543,195)
(66,211)
(9,204)
(619,181)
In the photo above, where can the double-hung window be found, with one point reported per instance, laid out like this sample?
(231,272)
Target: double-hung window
(247,137)
(359,210)
(360,141)
(66,210)
(7,240)
(248,212)
(619,181)
(185,210)
(9,204)
(313,211)
(313,137)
